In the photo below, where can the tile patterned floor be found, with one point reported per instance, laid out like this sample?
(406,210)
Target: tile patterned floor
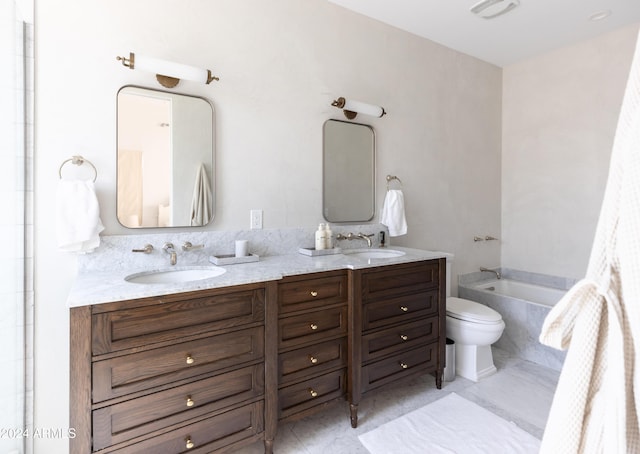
(520,391)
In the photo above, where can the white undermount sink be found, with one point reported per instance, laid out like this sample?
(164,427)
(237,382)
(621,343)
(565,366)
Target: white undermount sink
(373,253)
(175,276)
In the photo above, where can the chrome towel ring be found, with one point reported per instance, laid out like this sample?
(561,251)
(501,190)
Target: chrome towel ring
(78,160)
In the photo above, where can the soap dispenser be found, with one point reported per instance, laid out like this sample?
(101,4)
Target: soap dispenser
(321,237)
(328,236)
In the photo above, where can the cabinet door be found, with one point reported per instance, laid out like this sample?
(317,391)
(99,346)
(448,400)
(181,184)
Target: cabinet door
(141,371)
(297,294)
(312,327)
(173,320)
(136,417)
(206,435)
(396,339)
(422,359)
(403,309)
(312,360)
(312,392)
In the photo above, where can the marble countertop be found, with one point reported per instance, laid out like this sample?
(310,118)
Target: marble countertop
(97,287)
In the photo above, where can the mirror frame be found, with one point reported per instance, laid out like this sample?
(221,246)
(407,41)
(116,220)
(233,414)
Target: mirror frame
(211,175)
(371,198)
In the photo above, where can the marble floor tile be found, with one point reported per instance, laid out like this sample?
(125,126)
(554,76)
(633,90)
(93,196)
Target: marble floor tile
(520,392)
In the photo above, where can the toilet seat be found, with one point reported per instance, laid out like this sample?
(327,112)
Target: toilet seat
(471,311)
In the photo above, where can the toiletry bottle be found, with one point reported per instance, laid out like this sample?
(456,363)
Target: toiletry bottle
(328,236)
(321,233)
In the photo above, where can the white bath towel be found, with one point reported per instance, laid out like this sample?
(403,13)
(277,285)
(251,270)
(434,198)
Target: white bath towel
(201,201)
(393,213)
(77,216)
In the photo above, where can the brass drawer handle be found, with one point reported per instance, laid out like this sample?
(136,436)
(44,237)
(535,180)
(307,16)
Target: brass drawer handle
(403,337)
(313,326)
(313,392)
(190,359)
(313,359)
(190,444)
(190,402)
(403,365)
(314,293)
(404,308)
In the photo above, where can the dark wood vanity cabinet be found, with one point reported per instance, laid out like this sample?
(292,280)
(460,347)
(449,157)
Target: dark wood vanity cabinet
(177,373)
(312,342)
(213,370)
(397,326)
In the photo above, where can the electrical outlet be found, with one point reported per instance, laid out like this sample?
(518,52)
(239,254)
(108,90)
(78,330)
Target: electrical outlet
(256,219)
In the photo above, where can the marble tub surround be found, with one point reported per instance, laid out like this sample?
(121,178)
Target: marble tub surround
(101,276)
(545,280)
(523,319)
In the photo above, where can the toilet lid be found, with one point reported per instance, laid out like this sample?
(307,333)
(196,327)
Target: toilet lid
(470,310)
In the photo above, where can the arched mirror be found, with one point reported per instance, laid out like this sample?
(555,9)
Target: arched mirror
(165,159)
(348,190)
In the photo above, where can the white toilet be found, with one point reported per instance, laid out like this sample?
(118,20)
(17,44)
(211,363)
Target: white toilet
(473,327)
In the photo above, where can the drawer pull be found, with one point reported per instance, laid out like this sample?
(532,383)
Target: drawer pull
(313,326)
(404,308)
(190,359)
(190,402)
(313,359)
(314,293)
(190,444)
(403,337)
(403,365)
(313,392)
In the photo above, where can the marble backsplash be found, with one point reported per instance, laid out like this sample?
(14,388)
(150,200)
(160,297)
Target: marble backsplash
(116,250)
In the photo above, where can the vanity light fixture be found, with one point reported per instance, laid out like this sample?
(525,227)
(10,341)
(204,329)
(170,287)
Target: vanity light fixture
(167,73)
(352,108)
(489,9)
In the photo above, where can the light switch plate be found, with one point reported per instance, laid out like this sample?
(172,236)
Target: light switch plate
(256,219)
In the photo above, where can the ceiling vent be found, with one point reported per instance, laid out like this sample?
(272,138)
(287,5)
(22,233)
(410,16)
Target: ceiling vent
(488,9)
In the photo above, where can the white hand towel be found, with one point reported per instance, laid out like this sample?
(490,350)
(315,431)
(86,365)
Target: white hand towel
(201,201)
(393,213)
(77,216)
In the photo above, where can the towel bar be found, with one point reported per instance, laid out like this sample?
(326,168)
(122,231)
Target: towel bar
(78,160)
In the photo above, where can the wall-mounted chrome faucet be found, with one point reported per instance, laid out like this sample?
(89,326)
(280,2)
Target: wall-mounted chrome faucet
(350,236)
(169,249)
(491,271)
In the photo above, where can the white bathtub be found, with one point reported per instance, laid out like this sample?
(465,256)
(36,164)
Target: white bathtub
(529,292)
(523,307)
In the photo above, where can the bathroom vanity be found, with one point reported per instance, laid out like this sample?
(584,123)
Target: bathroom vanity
(213,369)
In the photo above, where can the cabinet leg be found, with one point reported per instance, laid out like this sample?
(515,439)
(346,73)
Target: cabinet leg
(354,415)
(439,374)
(268,447)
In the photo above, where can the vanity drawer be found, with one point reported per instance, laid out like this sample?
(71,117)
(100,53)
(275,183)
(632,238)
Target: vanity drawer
(400,280)
(393,368)
(313,359)
(312,327)
(398,338)
(172,320)
(139,371)
(206,435)
(136,417)
(399,310)
(296,294)
(315,391)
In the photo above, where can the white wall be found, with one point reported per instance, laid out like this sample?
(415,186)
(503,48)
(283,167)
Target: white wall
(560,112)
(280,64)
